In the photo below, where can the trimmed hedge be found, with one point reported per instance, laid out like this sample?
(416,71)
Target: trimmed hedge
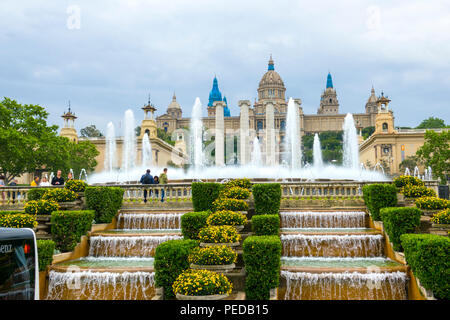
(398,221)
(226,217)
(60,195)
(262,256)
(267,198)
(35,193)
(18,220)
(105,201)
(45,253)
(242,183)
(377,196)
(69,226)
(11,212)
(171,259)
(230,204)
(410,191)
(204,194)
(41,206)
(192,222)
(76,185)
(428,255)
(266,224)
(432,203)
(234,193)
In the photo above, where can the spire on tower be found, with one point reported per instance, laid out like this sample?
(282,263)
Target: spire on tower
(271,65)
(329,81)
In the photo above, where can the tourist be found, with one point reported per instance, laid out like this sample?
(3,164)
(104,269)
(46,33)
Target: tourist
(44,182)
(35,182)
(156,181)
(146,179)
(163,180)
(58,180)
(2,184)
(70,176)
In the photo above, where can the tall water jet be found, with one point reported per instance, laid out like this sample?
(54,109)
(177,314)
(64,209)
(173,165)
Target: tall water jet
(256,153)
(351,150)
(110,154)
(146,151)
(293,153)
(129,142)
(317,152)
(196,135)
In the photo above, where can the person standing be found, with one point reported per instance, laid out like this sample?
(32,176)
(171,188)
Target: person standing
(35,182)
(13,194)
(163,180)
(156,181)
(44,182)
(58,180)
(2,184)
(146,179)
(70,176)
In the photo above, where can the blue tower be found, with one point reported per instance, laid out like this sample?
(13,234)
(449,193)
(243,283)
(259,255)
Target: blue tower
(226,110)
(214,94)
(329,81)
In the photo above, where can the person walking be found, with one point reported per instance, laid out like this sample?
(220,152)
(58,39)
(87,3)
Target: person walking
(58,180)
(35,182)
(146,179)
(163,180)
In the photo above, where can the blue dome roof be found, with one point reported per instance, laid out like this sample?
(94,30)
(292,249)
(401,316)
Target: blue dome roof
(226,110)
(214,94)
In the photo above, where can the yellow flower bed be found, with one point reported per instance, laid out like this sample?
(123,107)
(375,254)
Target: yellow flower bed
(76,185)
(402,181)
(226,217)
(442,217)
(235,193)
(219,234)
(18,220)
(230,204)
(432,203)
(412,191)
(201,283)
(60,195)
(40,206)
(216,255)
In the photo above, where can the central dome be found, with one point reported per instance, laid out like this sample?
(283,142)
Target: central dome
(271,85)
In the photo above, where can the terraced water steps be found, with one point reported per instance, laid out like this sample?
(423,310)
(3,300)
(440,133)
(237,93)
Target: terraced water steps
(145,219)
(330,231)
(124,264)
(137,232)
(324,219)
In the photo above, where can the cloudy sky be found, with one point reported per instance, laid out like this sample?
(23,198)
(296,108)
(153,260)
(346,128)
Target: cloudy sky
(107,56)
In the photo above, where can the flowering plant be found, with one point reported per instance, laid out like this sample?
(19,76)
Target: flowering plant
(226,217)
(230,204)
(18,220)
(215,255)
(60,195)
(432,203)
(234,193)
(201,283)
(40,206)
(402,181)
(219,234)
(442,217)
(412,191)
(242,183)
(76,185)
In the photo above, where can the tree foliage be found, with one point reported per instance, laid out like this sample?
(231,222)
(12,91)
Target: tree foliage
(431,123)
(90,132)
(435,153)
(331,143)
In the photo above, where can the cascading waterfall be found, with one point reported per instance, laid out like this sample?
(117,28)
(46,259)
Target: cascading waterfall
(256,159)
(129,142)
(350,149)
(196,135)
(88,285)
(317,152)
(314,219)
(332,245)
(110,145)
(345,286)
(293,153)
(146,151)
(126,246)
(149,221)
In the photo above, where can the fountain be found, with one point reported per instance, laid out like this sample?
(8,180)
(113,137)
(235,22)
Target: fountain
(317,152)
(407,172)
(81,174)
(351,149)
(146,151)
(196,135)
(110,145)
(293,139)
(129,142)
(256,159)
(416,172)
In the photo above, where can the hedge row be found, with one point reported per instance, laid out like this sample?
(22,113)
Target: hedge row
(69,226)
(105,201)
(398,221)
(192,222)
(267,198)
(171,259)
(377,196)
(204,194)
(35,193)
(428,255)
(266,224)
(45,253)
(262,256)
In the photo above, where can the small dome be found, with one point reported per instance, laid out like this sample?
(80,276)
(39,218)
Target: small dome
(174,103)
(271,79)
(373,97)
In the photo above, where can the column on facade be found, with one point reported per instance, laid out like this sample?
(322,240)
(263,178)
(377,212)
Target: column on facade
(270,133)
(244,132)
(220,134)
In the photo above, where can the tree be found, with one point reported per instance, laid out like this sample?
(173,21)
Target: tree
(367,132)
(91,132)
(435,153)
(164,136)
(29,144)
(431,123)
(137,130)
(410,162)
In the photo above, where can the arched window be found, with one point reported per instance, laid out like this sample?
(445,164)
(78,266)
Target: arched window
(147,132)
(385,127)
(331,100)
(259,125)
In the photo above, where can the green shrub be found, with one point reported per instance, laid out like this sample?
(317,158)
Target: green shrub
(266,224)
(410,191)
(45,253)
(201,283)
(230,204)
(171,259)
(35,193)
(60,195)
(262,263)
(428,255)
(18,220)
(402,181)
(11,212)
(76,185)
(432,203)
(40,206)
(267,198)
(215,255)
(442,217)
(192,222)
(234,193)
(105,201)
(226,217)
(219,234)
(204,194)
(377,196)
(241,183)
(69,226)
(398,221)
